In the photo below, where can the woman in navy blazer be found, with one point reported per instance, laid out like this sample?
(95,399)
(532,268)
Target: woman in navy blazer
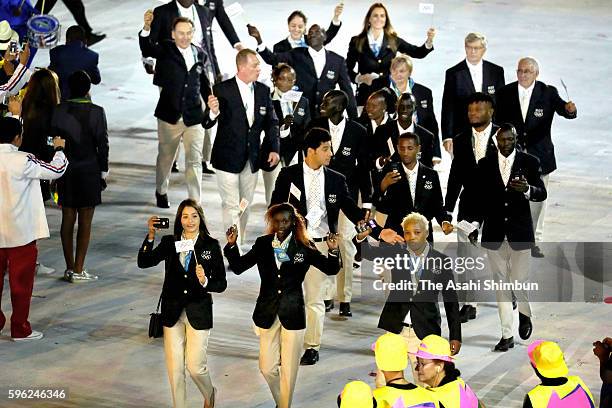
(186,301)
(374,55)
(283,257)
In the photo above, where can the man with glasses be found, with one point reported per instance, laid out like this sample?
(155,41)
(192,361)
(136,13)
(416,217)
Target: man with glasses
(530,106)
(470,75)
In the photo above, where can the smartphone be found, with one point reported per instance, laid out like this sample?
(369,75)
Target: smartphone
(162,223)
(13,47)
(371,224)
(50,141)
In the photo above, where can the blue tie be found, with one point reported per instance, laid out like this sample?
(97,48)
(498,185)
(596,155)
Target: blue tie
(187,259)
(375,49)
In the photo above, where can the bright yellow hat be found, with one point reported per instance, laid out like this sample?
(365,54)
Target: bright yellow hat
(390,352)
(434,348)
(356,394)
(547,358)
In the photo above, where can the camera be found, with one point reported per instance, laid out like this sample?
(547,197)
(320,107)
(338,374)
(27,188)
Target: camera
(162,223)
(369,224)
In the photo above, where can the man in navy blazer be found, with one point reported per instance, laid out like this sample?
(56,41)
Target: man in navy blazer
(243,109)
(72,57)
(473,74)
(530,106)
(318,70)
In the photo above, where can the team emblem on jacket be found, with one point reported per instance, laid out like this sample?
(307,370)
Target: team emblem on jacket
(538,113)
(436,271)
(211,5)
(298,258)
(206,255)
(262,110)
(428,185)
(331,198)
(199,69)
(424,104)
(331,74)
(301,112)
(491,89)
(346,151)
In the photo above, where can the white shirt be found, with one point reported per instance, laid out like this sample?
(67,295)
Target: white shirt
(299,43)
(480,140)
(336,132)
(412,176)
(402,130)
(378,41)
(382,122)
(524,95)
(417,263)
(247,93)
(192,14)
(319,59)
(287,109)
(476,74)
(323,229)
(188,56)
(506,163)
(22,211)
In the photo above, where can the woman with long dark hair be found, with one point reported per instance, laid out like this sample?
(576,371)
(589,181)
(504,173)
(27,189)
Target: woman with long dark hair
(375,47)
(186,304)
(283,257)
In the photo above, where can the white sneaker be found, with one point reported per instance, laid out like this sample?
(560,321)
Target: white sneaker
(82,277)
(43,270)
(35,335)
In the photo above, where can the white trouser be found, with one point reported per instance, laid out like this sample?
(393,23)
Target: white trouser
(467,250)
(342,284)
(538,211)
(233,187)
(412,345)
(185,346)
(269,178)
(315,307)
(279,360)
(209,137)
(509,265)
(169,138)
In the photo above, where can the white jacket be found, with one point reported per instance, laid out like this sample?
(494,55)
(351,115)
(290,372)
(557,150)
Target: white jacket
(22,211)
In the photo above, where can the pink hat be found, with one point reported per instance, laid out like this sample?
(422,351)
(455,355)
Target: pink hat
(434,348)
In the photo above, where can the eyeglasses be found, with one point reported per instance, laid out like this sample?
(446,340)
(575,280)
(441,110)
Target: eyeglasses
(475,49)
(525,71)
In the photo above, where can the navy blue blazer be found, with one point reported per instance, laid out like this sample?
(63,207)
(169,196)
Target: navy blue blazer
(69,58)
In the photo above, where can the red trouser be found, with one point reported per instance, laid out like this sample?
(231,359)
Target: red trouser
(21,264)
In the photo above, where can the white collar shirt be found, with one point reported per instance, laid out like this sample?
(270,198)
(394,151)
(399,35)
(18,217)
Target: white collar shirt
(480,140)
(247,93)
(505,165)
(336,132)
(412,176)
(188,56)
(323,228)
(319,59)
(476,74)
(524,95)
(382,122)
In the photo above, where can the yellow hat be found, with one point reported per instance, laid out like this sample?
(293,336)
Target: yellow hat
(390,352)
(547,358)
(434,348)
(356,394)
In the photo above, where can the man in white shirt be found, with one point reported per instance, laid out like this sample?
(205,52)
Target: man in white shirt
(180,111)
(22,220)
(474,74)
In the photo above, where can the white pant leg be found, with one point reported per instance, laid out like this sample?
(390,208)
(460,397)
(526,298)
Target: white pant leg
(193,139)
(467,250)
(344,279)
(229,190)
(538,211)
(315,307)
(174,349)
(209,135)
(520,262)
(269,178)
(270,358)
(291,350)
(499,261)
(196,359)
(248,182)
(169,138)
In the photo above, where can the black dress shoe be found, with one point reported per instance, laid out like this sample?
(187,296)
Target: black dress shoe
(206,170)
(525,326)
(162,200)
(504,344)
(310,357)
(536,252)
(345,309)
(175,168)
(329,305)
(93,38)
(467,312)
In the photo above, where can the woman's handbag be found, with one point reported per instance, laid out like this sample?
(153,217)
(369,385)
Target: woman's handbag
(155,323)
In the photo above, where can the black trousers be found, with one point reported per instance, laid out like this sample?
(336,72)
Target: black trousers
(74,6)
